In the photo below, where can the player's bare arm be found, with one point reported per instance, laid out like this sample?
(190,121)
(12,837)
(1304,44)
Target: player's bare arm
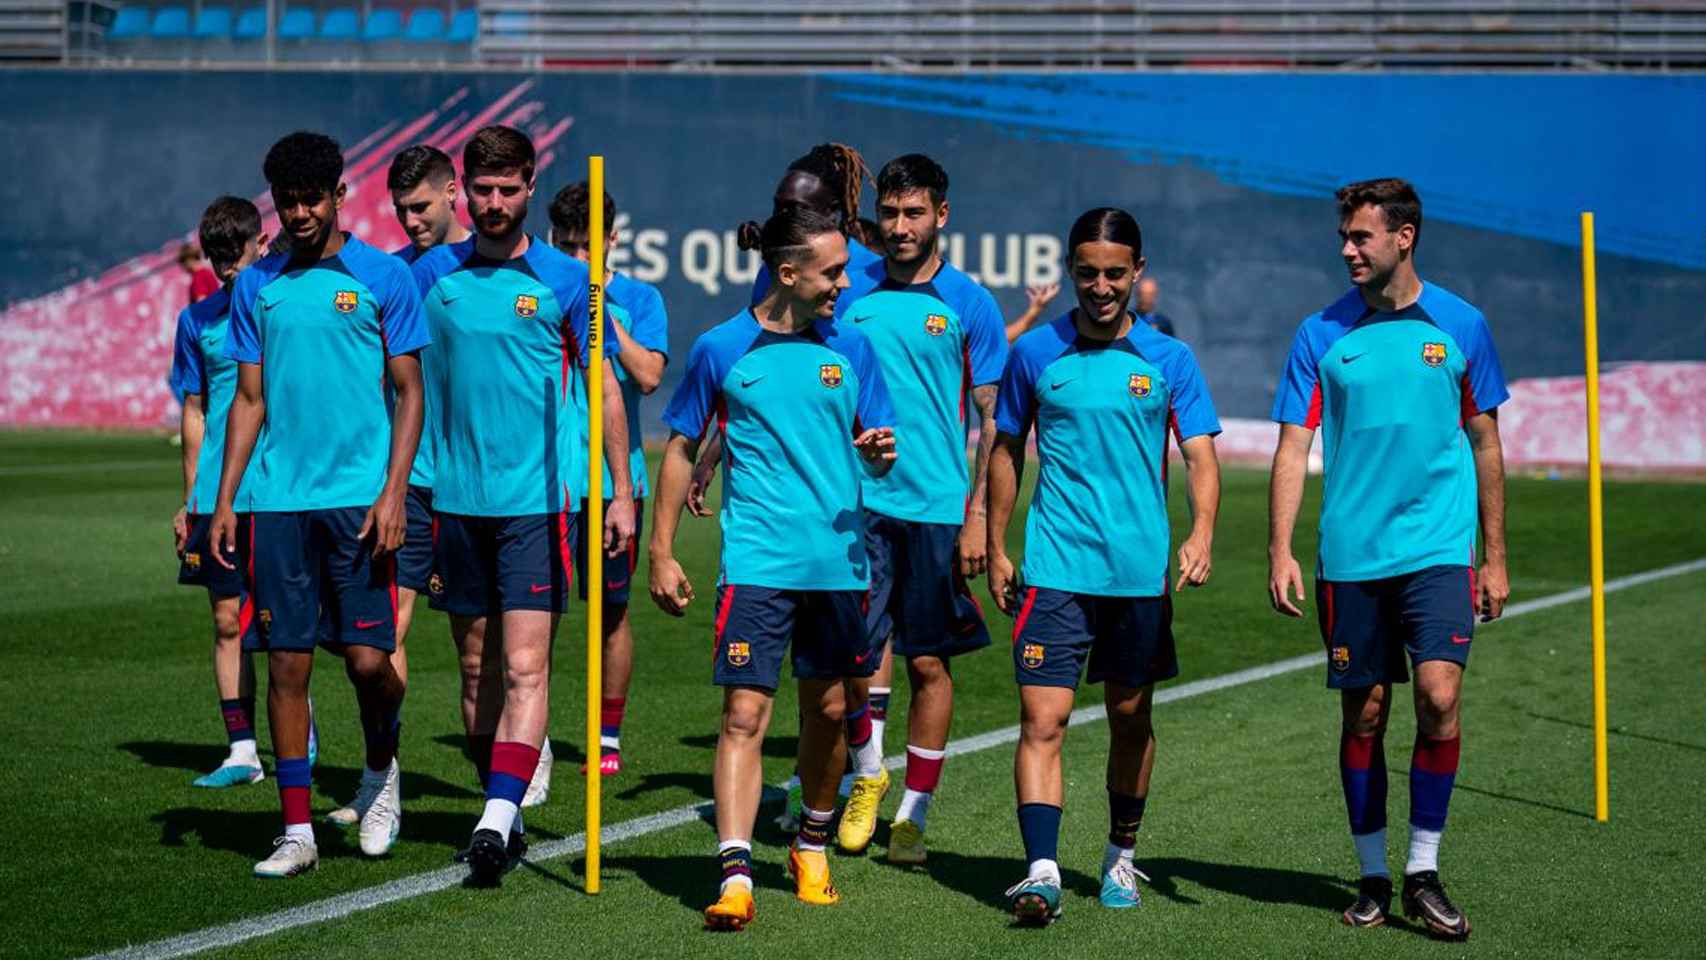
(704,471)
(1006,468)
(644,366)
(387,519)
(619,519)
(242,428)
(1202,468)
(974,534)
(1493,586)
(192,427)
(671,590)
(1285,496)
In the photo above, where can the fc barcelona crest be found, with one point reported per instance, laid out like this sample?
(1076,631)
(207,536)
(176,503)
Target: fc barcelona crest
(1032,655)
(740,653)
(193,561)
(346,301)
(435,585)
(935,324)
(1341,659)
(526,306)
(830,374)
(266,622)
(1433,354)
(1139,384)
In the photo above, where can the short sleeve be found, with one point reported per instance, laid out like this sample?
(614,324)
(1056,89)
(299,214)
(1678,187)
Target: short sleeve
(188,372)
(697,395)
(1192,408)
(1016,401)
(875,408)
(400,313)
(1298,397)
(649,321)
(243,337)
(1485,378)
(986,339)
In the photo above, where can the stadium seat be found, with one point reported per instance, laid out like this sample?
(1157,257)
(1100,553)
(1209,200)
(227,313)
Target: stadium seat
(425,26)
(171,23)
(251,24)
(382,26)
(340,23)
(296,24)
(214,23)
(130,23)
(465,26)
(510,23)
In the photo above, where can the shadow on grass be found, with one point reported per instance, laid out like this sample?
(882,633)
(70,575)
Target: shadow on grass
(1275,885)
(1522,800)
(778,746)
(697,785)
(691,881)
(341,783)
(1615,731)
(986,879)
(198,757)
(250,833)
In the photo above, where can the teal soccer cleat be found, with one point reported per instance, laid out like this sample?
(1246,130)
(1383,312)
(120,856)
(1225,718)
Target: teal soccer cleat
(1119,885)
(234,775)
(1035,901)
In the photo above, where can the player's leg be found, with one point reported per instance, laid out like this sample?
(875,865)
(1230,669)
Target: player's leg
(928,719)
(618,659)
(287,585)
(1437,606)
(868,780)
(822,757)
(737,783)
(234,680)
(526,671)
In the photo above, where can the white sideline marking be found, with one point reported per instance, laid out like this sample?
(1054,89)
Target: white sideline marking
(57,469)
(356,901)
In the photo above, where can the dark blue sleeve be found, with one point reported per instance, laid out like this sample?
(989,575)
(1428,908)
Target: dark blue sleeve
(401,318)
(875,408)
(700,391)
(986,337)
(1297,399)
(243,337)
(188,373)
(1016,401)
(1485,389)
(1192,408)
(649,321)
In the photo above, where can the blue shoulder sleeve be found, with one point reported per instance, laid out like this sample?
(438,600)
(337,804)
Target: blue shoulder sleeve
(648,320)
(1297,399)
(243,337)
(1192,408)
(188,374)
(700,392)
(1486,388)
(986,334)
(875,409)
(1016,402)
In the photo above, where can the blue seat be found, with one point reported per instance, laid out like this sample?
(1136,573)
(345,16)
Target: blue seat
(251,24)
(510,23)
(131,22)
(425,26)
(214,23)
(296,24)
(340,23)
(171,23)
(465,26)
(382,25)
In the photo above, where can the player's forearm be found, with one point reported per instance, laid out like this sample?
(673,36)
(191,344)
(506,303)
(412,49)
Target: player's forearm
(1285,494)
(242,426)
(1202,469)
(675,475)
(710,453)
(984,398)
(1490,486)
(616,439)
(643,365)
(192,430)
(407,420)
(1006,466)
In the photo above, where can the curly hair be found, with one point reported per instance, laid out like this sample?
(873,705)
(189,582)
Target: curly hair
(841,168)
(304,161)
(570,210)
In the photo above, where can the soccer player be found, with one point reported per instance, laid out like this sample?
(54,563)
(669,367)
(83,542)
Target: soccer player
(423,193)
(641,332)
(1148,294)
(232,238)
(333,319)
(511,318)
(803,408)
(1402,380)
(936,333)
(1103,390)
(1037,300)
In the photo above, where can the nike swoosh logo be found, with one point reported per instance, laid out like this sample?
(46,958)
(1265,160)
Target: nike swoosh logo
(747,383)
(367,624)
(1061,383)
(1457,639)
(539,588)
(1347,358)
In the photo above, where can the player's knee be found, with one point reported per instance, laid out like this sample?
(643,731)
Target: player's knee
(743,721)
(366,664)
(928,672)
(227,628)
(288,672)
(1436,709)
(1041,731)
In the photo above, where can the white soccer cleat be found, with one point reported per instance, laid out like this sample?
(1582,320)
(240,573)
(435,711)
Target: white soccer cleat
(383,818)
(290,856)
(539,788)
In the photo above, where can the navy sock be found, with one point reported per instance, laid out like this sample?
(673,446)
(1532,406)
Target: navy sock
(1039,826)
(1362,773)
(1125,816)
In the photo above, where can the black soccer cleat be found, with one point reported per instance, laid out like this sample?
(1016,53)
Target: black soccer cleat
(517,849)
(487,858)
(1374,902)
(1425,899)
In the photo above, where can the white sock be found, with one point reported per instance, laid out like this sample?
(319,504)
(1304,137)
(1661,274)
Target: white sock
(1424,850)
(914,806)
(500,816)
(738,880)
(610,743)
(807,813)
(243,754)
(877,725)
(1371,852)
(1115,853)
(868,758)
(302,830)
(1045,870)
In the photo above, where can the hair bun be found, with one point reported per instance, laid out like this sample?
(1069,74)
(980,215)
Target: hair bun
(749,235)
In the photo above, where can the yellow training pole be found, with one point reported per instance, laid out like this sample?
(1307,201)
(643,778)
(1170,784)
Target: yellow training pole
(594,571)
(1596,526)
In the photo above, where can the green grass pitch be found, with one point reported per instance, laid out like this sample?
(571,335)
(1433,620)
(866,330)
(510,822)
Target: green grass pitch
(107,711)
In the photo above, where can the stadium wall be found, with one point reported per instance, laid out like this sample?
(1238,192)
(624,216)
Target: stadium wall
(1231,176)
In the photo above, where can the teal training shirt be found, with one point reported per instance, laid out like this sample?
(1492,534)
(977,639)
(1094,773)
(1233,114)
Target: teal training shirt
(934,341)
(1390,393)
(1102,409)
(790,406)
(511,337)
(420,475)
(322,333)
(640,312)
(200,366)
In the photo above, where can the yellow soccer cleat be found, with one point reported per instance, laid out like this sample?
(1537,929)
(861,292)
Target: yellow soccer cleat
(859,817)
(733,910)
(906,843)
(810,870)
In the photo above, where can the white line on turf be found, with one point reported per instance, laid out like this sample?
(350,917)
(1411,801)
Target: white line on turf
(367,898)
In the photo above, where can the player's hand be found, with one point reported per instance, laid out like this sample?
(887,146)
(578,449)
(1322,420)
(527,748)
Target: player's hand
(1492,589)
(1285,580)
(671,590)
(1003,583)
(1194,563)
(1041,295)
(974,547)
(618,525)
(180,530)
(702,476)
(876,445)
(388,521)
(222,536)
